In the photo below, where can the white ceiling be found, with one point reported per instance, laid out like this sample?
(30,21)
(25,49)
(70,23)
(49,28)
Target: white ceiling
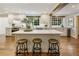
(71,8)
(27,8)
(37,8)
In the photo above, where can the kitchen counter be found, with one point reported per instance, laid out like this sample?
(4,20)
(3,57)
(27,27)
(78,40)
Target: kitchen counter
(38,32)
(44,35)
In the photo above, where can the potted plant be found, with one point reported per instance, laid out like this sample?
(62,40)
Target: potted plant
(28,24)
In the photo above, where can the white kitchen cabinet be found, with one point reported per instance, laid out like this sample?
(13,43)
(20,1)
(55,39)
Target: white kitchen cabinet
(63,30)
(8,31)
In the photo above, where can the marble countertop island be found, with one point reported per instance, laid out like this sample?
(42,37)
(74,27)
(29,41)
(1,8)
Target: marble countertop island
(38,32)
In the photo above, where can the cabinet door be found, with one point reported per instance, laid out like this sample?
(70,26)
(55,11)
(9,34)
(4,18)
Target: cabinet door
(8,31)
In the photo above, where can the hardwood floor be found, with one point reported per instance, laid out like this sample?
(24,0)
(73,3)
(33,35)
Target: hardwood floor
(68,47)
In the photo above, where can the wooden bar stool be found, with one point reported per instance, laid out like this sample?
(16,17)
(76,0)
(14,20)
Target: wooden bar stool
(37,46)
(22,48)
(53,47)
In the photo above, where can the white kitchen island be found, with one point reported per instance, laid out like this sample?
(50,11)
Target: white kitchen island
(42,34)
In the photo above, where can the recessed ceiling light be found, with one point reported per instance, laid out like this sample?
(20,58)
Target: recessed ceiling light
(73,6)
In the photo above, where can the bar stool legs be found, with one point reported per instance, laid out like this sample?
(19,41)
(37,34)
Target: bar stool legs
(25,49)
(21,48)
(53,47)
(36,47)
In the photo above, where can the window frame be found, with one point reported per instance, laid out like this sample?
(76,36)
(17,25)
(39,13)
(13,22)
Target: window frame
(56,21)
(33,20)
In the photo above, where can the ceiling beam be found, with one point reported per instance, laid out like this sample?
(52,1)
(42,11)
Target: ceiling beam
(59,7)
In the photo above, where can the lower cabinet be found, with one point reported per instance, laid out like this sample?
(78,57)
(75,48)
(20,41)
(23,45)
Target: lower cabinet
(8,31)
(64,30)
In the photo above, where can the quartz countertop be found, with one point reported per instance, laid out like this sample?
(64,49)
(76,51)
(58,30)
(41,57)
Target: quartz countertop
(38,32)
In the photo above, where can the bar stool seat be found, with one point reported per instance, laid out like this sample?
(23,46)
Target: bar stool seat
(37,46)
(22,48)
(53,47)
(53,41)
(37,40)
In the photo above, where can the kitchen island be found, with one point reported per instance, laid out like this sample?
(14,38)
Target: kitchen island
(42,34)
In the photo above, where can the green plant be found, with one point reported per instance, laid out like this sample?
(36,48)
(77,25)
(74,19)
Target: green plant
(27,22)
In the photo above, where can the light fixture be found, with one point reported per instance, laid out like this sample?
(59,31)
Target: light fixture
(45,20)
(73,6)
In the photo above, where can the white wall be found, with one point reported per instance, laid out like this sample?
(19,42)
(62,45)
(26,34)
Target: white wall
(3,24)
(78,26)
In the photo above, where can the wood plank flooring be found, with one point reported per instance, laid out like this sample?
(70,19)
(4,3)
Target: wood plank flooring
(68,47)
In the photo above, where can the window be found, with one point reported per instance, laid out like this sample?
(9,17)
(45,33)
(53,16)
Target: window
(35,20)
(56,21)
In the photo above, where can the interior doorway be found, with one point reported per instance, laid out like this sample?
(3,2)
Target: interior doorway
(78,25)
(78,28)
